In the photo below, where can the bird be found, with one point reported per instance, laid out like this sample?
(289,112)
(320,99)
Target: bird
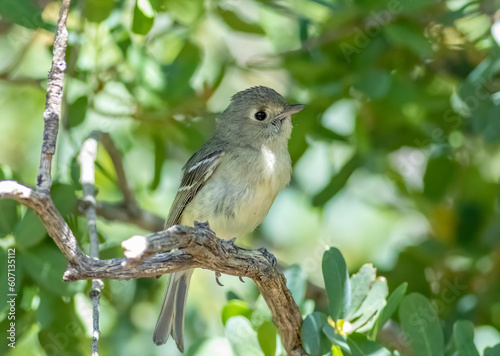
(231,183)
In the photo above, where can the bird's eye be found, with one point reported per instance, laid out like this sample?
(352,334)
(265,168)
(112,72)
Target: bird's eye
(261,115)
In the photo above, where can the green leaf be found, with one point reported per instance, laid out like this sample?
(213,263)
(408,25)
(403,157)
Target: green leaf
(438,176)
(410,38)
(463,338)
(492,351)
(336,338)
(360,286)
(144,17)
(365,317)
(77,111)
(160,156)
(235,307)
(23,12)
(242,338)
(374,83)
(337,182)
(296,281)
(236,23)
(8,216)
(314,340)
(337,284)
(260,313)
(393,302)
(46,265)
(64,198)
(421,325)
(98,10)
(29,230)
(361,346)
(267,338)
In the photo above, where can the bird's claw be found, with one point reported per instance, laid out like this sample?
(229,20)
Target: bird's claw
(228,245)
(217,276)
(268,255)
(241,279)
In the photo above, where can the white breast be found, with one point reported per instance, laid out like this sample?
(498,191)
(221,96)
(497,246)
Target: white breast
(238,197)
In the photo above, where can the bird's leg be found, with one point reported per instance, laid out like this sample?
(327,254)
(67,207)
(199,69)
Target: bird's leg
(217,276)
(268,255)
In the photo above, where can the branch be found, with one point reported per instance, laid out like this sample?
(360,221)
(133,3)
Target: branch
(87,159)
(117,212)
(48,213)
(198,247)
(52,112)
(116,157)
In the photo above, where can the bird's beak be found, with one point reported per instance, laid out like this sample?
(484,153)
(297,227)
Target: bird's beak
(290,110)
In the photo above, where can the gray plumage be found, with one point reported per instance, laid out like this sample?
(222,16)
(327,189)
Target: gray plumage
(231,182)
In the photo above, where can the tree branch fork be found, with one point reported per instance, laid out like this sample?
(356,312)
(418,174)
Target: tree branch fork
(175,249)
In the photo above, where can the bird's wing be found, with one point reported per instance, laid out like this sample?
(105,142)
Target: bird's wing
(197,171)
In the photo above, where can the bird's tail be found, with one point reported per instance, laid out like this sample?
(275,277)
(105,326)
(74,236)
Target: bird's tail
(171,319)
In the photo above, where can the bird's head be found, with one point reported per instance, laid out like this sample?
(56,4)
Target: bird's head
(257,116)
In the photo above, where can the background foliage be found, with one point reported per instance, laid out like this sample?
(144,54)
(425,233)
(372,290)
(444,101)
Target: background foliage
(396,158)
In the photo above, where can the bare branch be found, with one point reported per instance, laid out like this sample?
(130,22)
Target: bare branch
(117,212)
(48,213)
(198,247)
(87,158)
(52,112)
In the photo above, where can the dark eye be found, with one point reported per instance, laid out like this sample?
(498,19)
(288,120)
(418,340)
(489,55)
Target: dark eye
(261,115)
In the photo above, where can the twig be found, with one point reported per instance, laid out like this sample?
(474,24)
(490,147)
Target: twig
(87,158)
(117,212)
(115,155)
(52,112)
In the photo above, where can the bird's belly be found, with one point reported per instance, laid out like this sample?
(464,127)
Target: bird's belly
(231,209)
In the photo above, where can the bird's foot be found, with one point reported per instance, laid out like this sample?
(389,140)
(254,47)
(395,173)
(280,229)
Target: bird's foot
(217,276)
(268,255)
(228,245)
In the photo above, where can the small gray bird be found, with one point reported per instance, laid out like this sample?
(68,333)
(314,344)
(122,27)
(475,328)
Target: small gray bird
(231,182)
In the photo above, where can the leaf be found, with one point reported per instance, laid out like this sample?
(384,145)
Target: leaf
(160,156)
(46,266)
(77,111)
(336,338)
(438,176)
(242,337)
(361,346)
(64,198)
(296,281)
(236,23)
(366,315)
(337,182)
(374,83)
(360,286)
(8,216)
(314,340)
(337,284)
(98,10)
(267,338)
(393,302)
(144,17)
(421,325)
(463,338)
(235,307)
(23,12)
(29,230)
(492,351)
(260,313)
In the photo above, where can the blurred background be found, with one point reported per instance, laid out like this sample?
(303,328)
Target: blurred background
(396,158)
